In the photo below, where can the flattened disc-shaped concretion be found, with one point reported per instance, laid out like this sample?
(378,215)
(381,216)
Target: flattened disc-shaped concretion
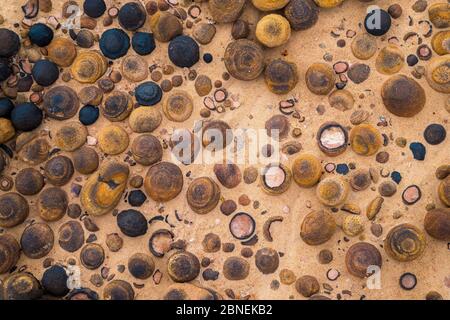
(226,11)
(71,236)
(117,107)
(203,195)
(37,240)
(61,103)
(317,227)
(88,67)
(361,257)
(403,96)
(163,181)
(404,242)
(14,209)
(62,51)
(9,252)
(244,59)
(103,190)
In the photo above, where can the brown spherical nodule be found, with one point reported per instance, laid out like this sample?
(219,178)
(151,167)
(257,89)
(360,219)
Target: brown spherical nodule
(306,170)
(281,76)
(342,100)
(59,170)
(438,73)
(114,242)
(145,119)
(273,30)
(390,60)
(89,66)
(70,136)
(14,209)
(183,267)
(226,11)
(277,127)
(270,5)
(62,51)
(85,160)
(216,135)
(146,149)
(165,26)
(163,181)
(117,106)
(29,181)
(71,236)
(52,204)
(203,195)
(244,59)
(118,290)
(403,96)
(332,191)
(439,15)
(240,30)
(320,78)
(113,139)
(361,259)
(135,68)
(307,286)
(437,223)
(236,268)
(211,243)
(365,139)
(9,252)
(61,103)
(92,256)
(7,130)
(360,180)
(301,14)
(364,46)
(229,175)
(404,242)
(444,191)
(267,260)
(317,227)
(21,286)
(92,95)
(178,106)
(203,85)
(37,240)
(440,42)
(141,266)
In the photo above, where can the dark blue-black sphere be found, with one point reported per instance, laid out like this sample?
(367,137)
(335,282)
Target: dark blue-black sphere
(143,43)
(435,134)
(114,43)
(40,34)
(132,16)
(54,281)
(26,116)
(377,22)
(10,43)
(88,114)
(94,8)
(6,106)
(148,93)
(207,57)
(184,52)
(45,72)
(132,223)
(5,69)
(136,198)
